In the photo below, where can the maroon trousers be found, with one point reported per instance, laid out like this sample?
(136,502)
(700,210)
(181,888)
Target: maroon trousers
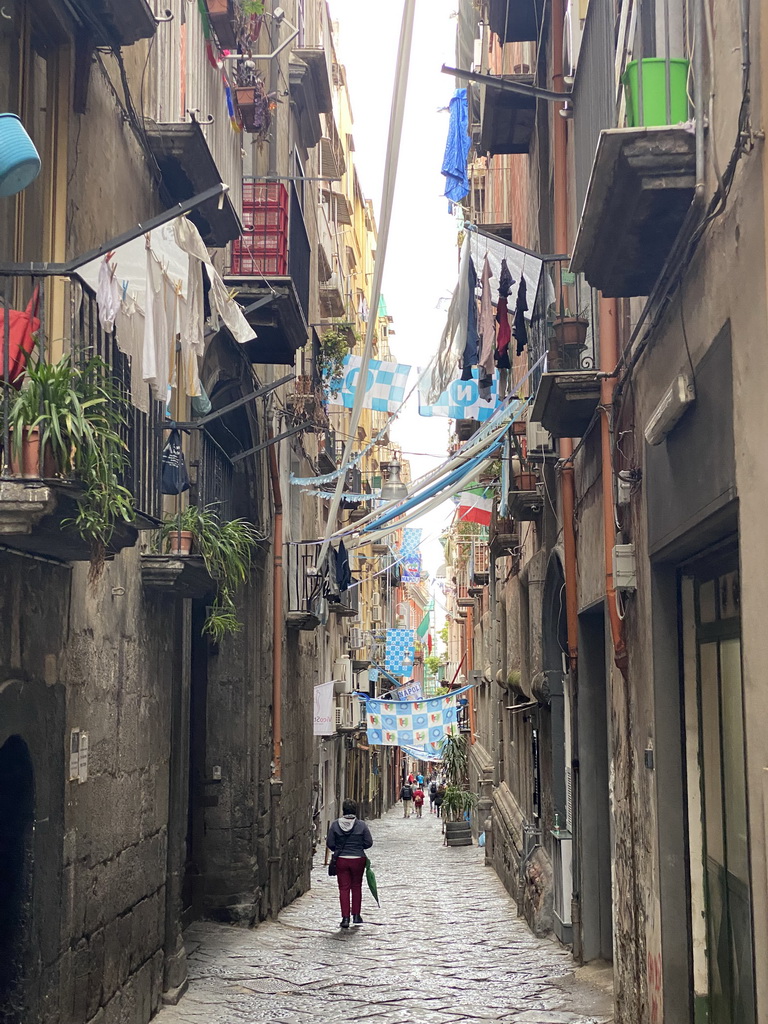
(349,872)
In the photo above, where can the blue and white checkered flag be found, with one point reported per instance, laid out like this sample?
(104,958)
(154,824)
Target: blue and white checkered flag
(401,648)
(409,547)
(384,386)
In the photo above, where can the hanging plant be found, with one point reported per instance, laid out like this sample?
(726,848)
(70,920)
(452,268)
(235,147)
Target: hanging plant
(333,350)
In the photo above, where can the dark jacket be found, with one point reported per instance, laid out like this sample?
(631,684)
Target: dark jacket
(349,844)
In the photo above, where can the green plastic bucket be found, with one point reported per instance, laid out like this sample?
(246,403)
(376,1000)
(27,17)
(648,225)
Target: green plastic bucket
(655,92)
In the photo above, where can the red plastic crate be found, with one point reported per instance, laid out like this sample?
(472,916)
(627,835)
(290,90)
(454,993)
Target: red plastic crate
(270,218)
(264,241)
(249,264)
(265,193)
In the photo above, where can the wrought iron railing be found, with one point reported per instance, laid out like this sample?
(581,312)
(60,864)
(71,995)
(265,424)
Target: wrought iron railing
(304,584)
(84,337)
(215,475)
(563,323)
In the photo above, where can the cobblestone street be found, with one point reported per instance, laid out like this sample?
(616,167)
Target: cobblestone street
(446,946)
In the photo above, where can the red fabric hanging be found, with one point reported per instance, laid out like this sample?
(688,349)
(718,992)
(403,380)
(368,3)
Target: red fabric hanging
(22,327)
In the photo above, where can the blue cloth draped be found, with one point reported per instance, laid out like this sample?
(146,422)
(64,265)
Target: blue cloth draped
(457,148)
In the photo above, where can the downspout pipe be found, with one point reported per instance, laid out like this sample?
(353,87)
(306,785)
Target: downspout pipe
(568,488)
(609,347)
(276,779)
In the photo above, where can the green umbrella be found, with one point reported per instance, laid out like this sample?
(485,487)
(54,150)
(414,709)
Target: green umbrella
(371,880)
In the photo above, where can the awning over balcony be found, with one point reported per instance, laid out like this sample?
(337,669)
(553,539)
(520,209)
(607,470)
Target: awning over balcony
(507,118)
(516,21)
(188,168)
(310,87)
(641,187)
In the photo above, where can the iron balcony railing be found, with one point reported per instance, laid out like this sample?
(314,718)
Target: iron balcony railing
(215,475)
(304,584)
(73,304)
(563,324)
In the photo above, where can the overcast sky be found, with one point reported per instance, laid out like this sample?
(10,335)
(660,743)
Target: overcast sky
(421,261)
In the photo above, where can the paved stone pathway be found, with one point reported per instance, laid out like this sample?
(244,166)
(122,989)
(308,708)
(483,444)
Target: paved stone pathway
(445,947)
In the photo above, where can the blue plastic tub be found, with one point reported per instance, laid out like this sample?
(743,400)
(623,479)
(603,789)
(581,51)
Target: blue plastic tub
(19,160)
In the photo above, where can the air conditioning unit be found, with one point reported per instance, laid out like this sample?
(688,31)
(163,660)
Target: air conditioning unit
(356,640)
(538,442)
(377,623)
(376,599)
(339,712)
(342,671)
(362,684)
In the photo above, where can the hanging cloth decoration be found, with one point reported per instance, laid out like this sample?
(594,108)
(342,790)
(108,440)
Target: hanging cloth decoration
(487,333)
(174,478)
(504,333)
(22,328)
(519,329)
(472,347)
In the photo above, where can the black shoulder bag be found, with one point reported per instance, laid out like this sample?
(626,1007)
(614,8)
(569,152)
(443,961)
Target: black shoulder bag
(335,855)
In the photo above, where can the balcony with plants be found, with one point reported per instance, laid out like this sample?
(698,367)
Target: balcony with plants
(563,329)
(80,460)
(636,173)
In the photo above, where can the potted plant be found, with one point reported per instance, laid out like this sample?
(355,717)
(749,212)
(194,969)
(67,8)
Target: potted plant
(226,547)
(75,416)
(458,802)
(333,350)
(525,480)
(569,336)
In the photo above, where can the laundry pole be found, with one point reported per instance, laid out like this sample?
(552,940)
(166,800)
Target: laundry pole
(387,197)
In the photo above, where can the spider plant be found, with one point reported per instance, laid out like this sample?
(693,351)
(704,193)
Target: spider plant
(226,547)
(79,413)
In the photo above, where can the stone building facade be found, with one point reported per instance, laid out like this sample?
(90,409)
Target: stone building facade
(618,702)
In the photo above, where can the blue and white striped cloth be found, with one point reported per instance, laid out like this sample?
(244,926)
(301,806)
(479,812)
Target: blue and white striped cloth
(384,386)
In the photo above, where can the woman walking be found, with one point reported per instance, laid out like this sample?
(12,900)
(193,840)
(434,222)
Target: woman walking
(348,839)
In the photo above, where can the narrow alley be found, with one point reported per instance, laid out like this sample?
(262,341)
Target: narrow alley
(446,946)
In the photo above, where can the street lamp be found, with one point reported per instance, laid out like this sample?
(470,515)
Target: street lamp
(393,488)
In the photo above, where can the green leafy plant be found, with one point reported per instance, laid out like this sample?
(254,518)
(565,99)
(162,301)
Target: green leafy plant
(252,6)
(334,346)
(226,547)
(457,802)
(455,755)
(79,413)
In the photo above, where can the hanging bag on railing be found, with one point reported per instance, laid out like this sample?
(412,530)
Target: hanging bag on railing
(174,478)
(22,328)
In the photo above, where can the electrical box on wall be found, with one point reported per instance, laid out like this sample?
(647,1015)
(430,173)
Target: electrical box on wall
(624,570)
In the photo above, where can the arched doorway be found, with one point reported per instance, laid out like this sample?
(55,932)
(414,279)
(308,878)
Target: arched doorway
(17,812)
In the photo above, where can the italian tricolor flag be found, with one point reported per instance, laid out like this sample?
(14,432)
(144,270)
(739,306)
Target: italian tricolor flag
(475,505)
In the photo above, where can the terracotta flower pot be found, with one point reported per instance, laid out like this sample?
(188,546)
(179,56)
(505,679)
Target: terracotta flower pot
(525,481)
(27,465)
(180,542)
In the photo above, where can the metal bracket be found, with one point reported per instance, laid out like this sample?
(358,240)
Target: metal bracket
(265,444)
(217,413)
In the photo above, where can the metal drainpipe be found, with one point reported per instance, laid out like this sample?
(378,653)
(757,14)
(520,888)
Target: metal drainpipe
(568,488)
(470,667)
(609,352)
(276,779)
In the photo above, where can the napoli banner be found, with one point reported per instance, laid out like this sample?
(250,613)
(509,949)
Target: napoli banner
(461,400)
(418,723)
(412,569)
(385,384)
(401,648)
(409,691)
(324,724)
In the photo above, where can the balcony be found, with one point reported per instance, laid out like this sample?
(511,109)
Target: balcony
(211,480)
(310,87)
(332,291)
(305,589)
(349,605)
(270,268)
(503,536)
(507,118)
(641,187)
(563,328)
(38,503)
(115,22)
(516,21)
(332,161)
(307,403)
(188,168)
(327,452)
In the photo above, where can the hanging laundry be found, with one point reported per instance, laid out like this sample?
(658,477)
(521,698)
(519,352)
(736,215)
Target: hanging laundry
(108,295)
(519,329)
(472,348)
(457,148)
(454,337)
(343,568)
(487,322)
(157,319)
(504,333)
